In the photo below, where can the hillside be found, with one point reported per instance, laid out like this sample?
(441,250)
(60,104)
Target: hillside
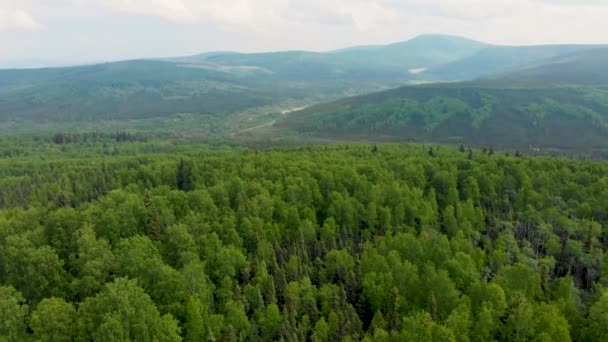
(148,89)
(215,84)
(559,103)
(517,117)
(125,90)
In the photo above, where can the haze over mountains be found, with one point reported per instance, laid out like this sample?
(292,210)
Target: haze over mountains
(500,59)
(373,62)
(537,92)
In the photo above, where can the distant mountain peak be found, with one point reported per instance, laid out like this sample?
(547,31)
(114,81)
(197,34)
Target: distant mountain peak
(435,37)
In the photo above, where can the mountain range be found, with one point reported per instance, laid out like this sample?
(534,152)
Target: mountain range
(468,91)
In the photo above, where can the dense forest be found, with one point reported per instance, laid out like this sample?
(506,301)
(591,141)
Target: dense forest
(112,238)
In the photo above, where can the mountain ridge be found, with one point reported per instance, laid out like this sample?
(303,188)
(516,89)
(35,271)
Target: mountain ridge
(559,103)
(212,83)
(219,85)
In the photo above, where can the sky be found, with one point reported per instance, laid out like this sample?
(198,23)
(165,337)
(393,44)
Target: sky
(37,33)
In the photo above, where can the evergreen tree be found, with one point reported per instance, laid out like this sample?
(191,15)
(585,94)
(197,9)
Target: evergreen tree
(185,175)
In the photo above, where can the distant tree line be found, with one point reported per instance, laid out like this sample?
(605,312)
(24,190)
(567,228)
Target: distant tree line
(74,138)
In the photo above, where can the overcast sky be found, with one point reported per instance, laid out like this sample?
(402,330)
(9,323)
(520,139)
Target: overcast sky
(46,32)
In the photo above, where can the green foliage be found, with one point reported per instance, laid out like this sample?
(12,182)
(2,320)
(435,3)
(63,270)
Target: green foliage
(598,317)
(550,107)
(13,314)
(123,311)
(53,320)
(322,243)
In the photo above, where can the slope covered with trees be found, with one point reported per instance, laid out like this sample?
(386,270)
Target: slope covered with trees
(145,89)
(215,89)
(169,241)
(214,84)
(558,103)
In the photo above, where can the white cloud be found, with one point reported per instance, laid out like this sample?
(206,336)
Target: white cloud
(17,19)
(495,20)
(499,21)
(538,21)
(256,14)
(364,15)
(172,10)
(141,28)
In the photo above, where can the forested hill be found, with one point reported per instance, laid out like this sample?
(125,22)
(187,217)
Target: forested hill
(559,103)
(565,117)
(215,83)
(330,243)
(143,89)
(226,92)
